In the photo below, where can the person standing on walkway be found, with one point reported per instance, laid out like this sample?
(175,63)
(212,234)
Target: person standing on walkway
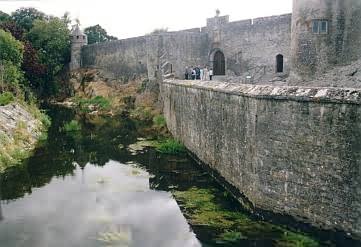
(201,73)
(193,74)
(205,74)
(210,74)
(186,74)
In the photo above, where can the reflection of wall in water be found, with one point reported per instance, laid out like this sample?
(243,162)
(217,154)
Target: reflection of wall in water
(1,211)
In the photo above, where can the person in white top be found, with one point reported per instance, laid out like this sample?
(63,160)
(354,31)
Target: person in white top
(205,74)
(201,73)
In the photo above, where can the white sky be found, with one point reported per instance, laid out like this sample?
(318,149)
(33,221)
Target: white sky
(130,18)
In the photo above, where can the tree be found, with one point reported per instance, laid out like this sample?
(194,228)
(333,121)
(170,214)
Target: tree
(11,57)
(66,19)
(4,17)
(10,49)
(51,38)
(97,34)
(11,27)
(34,71)
(25,17)
(159,30)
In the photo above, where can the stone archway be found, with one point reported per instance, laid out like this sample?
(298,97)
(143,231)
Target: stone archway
(219,63)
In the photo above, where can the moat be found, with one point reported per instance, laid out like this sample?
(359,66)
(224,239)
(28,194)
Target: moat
(94,187)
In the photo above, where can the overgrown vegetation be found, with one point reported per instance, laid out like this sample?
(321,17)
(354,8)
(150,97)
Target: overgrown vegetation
(170,146)
(6,98)
(202,209)
(72,126)
(97,34)
(34,49)
(18,145)
(159,121)
(98,103)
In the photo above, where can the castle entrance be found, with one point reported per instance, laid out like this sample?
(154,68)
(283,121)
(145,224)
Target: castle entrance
(219,63)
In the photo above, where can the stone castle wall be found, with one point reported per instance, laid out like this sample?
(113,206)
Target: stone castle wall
(291,150)
(250,48)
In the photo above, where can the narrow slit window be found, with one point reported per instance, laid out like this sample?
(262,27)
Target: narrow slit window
(279,63)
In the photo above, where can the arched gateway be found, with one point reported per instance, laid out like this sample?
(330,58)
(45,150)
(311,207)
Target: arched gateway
(219,63)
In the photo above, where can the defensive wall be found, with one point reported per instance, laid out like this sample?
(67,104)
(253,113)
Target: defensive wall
(249,47)
(291,150)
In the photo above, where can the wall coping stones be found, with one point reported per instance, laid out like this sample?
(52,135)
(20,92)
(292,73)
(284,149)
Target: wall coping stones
(295,93)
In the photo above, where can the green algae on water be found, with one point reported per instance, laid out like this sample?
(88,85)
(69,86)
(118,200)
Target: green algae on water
(234,226)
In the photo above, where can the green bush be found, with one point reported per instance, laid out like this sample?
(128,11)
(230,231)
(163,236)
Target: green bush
(72,126)
(6,98)
(171,146)
(159,121)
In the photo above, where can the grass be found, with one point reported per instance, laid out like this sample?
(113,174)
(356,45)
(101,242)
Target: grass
(171,146)
(96,103)
(6,98)
(13,151)
(72,126)
(159,121)
(232,236)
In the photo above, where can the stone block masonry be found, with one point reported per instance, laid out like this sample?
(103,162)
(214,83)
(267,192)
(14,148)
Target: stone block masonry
(290,150)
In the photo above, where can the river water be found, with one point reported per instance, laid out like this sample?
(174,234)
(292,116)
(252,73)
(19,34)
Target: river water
(92,187)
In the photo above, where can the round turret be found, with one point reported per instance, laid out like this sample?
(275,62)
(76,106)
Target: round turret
(78,40)
(325,33)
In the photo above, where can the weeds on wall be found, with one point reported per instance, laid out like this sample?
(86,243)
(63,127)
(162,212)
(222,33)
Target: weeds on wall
(17,146)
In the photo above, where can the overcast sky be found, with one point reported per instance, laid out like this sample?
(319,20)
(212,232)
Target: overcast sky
(130,18)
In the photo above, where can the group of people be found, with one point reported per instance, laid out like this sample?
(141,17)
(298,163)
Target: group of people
(198,73)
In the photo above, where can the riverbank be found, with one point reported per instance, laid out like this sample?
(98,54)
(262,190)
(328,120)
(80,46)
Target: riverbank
(21,127)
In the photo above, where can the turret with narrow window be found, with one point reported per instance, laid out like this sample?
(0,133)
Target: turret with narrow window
(78,40)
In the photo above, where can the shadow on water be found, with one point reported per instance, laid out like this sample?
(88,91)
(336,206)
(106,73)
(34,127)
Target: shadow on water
(87,188)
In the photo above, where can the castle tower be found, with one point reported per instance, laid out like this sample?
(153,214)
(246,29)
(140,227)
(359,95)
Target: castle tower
(78,40)
(325,33)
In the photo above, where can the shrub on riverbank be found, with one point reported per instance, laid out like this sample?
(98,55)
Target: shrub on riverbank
(6,98)
(97,103)
(72,126)
(171,146)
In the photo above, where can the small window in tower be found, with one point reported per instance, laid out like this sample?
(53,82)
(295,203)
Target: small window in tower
(315,26)
(77,37)
(324,27)
(320,26)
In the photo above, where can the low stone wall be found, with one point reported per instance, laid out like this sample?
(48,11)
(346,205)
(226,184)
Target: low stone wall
(290,150)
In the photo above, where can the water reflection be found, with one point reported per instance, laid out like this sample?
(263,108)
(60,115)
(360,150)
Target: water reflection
(1,211)
(110,205)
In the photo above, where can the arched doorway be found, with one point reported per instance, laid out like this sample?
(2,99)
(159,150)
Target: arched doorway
(279,63)
(219,63)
